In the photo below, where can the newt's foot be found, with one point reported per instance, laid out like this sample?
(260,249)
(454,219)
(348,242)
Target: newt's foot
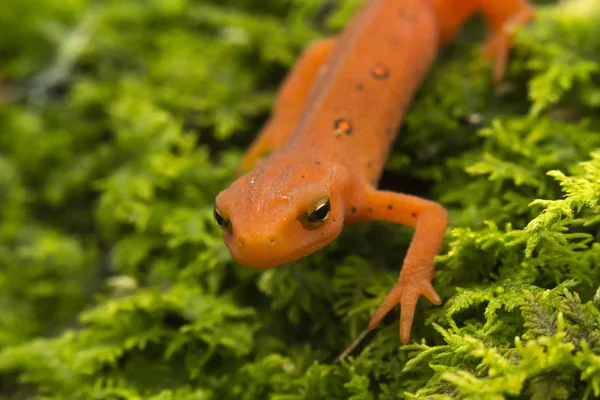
(500,42)
(406,293)
(496,49)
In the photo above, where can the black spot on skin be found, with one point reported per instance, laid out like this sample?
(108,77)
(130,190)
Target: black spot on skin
(380,71)
(414,215)
(390,207)
(370,209)
(318,162)
(342,126)
(333,219)
(302,176)
(353,209)
(370,164)
(360,87)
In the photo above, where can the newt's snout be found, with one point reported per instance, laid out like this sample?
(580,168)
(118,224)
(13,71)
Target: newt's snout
(255,251)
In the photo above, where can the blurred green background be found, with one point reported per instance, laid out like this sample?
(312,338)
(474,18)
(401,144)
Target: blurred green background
(121,120)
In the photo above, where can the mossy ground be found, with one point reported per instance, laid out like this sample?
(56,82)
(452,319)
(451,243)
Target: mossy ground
(120,121)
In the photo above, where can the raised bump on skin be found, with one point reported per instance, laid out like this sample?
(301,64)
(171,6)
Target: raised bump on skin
(342,126)
(379,71)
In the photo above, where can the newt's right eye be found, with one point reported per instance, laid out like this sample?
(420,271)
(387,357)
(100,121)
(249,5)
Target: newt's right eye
(317,215)
(223,222)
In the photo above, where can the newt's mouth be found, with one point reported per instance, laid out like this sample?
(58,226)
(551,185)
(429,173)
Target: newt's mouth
(258,265)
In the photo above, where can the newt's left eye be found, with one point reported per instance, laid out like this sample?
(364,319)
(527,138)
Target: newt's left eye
(223,222)
(317,215)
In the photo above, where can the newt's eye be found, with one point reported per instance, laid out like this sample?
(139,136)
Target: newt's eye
(224,223)
(317,215)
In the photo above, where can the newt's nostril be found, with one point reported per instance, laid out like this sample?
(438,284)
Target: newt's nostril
(272,240)
(241,242)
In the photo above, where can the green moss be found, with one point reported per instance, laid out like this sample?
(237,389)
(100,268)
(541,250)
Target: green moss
(121,120)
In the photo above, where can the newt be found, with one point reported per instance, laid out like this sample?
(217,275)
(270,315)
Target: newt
(331,129)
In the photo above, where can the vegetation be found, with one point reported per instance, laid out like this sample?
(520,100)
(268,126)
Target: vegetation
(121,120)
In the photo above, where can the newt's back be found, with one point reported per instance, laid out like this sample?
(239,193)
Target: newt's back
(357,103)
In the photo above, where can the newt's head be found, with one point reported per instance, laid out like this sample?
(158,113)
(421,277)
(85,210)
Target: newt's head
(278,213)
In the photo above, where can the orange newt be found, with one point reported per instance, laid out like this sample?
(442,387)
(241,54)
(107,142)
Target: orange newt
(330,133)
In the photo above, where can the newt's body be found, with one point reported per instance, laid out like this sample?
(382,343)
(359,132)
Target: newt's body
(336,117)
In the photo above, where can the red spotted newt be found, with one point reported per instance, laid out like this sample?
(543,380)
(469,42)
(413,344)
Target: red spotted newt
(329,135)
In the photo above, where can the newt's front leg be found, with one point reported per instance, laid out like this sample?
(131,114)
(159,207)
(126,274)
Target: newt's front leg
(290,103)
(430,220)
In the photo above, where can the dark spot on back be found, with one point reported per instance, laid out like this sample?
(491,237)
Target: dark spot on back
(318,162)
(390,207)
(370,163)
(414,215)
(370,209)
(353,209)
(360,87)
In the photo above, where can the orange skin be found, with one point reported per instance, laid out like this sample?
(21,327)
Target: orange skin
(332,127)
